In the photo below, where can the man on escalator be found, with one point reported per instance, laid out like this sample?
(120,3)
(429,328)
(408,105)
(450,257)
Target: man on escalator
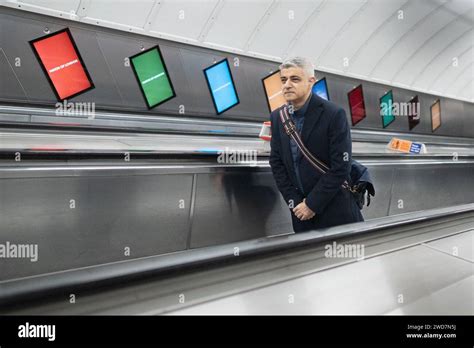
(316,200)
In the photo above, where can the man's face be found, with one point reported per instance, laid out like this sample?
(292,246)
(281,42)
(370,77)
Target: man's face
(296,84)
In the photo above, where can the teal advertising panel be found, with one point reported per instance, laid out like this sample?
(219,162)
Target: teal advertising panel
(386,109)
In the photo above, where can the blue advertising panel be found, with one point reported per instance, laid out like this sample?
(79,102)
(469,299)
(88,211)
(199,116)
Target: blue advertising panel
(221,85)
(320,88)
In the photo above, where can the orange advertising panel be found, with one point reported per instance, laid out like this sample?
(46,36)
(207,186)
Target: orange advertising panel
(62,64)
(272,87)
(435,115)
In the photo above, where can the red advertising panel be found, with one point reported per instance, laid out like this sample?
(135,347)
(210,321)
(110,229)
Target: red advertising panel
(61,62)
(357,105)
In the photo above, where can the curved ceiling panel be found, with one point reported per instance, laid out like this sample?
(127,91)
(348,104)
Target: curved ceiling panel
(424,45)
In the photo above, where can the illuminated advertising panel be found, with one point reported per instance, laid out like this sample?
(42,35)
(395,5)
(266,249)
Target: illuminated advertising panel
(61,62)
(357,105)
(413,112)
(221,86)
(386,109)
(273,90)
(152,76)
(320,88)
(435,115)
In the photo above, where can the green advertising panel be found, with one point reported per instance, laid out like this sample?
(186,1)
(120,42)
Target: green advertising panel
(386,109)
(152,75)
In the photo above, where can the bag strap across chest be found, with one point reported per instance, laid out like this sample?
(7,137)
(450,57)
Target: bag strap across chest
(290,130)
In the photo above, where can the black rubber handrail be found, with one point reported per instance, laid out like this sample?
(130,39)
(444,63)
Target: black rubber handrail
(34,287)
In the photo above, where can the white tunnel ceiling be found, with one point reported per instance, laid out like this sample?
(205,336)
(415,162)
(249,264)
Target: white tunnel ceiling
(424,45)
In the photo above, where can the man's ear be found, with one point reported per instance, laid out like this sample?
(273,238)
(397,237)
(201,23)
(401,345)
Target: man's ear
(312,80)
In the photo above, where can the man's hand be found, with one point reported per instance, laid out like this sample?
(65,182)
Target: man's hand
(302,211)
